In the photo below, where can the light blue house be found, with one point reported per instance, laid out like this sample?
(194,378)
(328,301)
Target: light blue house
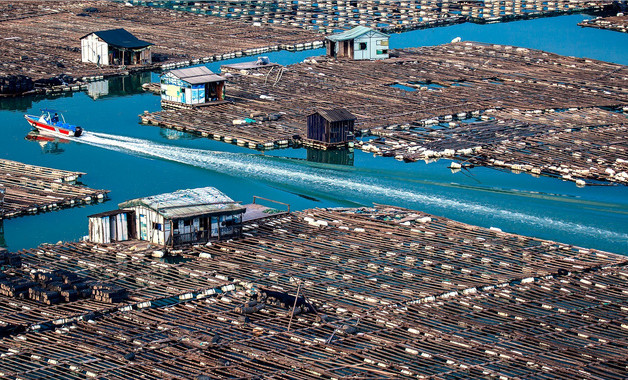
(192,86)
(358,43)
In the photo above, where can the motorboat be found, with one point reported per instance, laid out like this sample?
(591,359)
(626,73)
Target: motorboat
(53,122)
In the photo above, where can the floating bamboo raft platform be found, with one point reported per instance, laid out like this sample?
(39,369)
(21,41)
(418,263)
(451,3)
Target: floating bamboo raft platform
(327,16)
(331,293)
(616,23)
(491,11)
(416,103)
(42,39)
(578,145)
(30,189)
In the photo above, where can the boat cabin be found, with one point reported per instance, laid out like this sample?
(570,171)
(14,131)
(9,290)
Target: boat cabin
(192,216)
(115,47)
(192,86)
(359,43)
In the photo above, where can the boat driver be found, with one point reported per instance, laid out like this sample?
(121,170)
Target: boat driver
(55,118)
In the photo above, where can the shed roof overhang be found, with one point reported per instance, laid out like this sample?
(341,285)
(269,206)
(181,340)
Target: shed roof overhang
(354,33)
(120,38)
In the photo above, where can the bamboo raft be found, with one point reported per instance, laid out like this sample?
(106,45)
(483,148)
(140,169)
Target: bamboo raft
(327,16)
(332,293)
(616,23)
(577,145)
(211,123)
(30,189)
(509,10)
(418,100)
(35,45)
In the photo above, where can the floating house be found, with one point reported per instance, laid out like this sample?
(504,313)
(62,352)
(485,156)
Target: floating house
(192,86)
(358,43)
(192,216)
(115,47)
(330,127)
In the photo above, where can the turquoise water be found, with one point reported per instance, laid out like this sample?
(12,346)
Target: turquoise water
(134,160)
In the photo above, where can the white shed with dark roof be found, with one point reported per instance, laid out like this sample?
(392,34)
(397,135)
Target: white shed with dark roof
(193,85)
(114,47)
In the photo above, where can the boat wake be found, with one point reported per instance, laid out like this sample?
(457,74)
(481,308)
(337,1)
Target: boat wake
(365,189)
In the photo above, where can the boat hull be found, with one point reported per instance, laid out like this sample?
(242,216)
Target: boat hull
(53,129)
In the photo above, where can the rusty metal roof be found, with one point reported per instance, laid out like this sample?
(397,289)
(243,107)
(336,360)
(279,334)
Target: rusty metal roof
(336,114)
(197,75)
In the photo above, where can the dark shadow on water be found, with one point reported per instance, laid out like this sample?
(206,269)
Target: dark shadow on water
(118,86)
(334,157)
(24,103)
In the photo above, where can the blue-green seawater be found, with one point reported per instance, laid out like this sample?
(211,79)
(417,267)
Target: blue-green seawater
(134,160)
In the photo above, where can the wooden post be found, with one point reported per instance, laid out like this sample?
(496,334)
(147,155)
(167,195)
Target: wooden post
(295,305)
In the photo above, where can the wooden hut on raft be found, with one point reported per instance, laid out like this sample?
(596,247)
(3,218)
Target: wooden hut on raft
(115,47)
(191,216)
(327,128)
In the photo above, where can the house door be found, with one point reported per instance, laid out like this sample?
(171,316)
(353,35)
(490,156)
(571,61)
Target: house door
(331,49)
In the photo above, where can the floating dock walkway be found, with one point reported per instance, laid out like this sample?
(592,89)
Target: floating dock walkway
(332,293)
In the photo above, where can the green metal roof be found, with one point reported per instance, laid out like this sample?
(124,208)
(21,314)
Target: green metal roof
(353,33)
(188,203)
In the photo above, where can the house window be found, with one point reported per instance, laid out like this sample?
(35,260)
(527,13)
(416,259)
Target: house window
(382,42)
(158,226)
(187,223)
(362,46)
(380,52)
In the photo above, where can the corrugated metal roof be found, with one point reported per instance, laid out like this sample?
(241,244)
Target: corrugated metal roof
(187,203)
(353,33)
(108,213)
(197,75)
(120,38)
(337,114)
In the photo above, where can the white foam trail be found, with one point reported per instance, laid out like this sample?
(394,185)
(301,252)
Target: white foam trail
(256,167)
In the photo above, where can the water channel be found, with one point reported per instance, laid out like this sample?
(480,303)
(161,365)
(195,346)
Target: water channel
(134,160)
